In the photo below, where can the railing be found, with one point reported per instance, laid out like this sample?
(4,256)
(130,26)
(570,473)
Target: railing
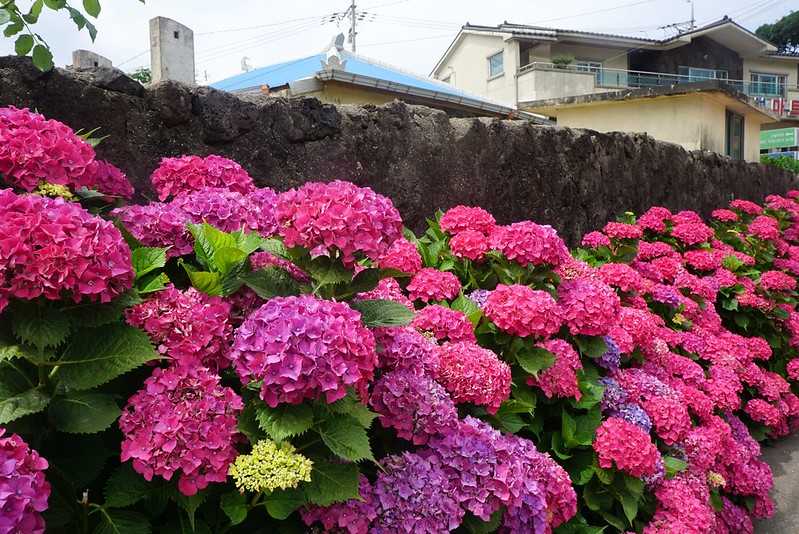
(620,78)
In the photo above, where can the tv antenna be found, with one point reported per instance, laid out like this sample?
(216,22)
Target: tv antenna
(682,27)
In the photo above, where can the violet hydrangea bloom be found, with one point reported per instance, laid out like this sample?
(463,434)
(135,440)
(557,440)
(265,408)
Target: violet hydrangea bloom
(611,359)
(23,488)
(473,374)
(183,420)
(304,348)
(430,284)
(186,174)
(157,225)
(188,326)
(56,249)
(354,220)
(479,297)
(228,210)
(522,311)
(414,405)
(351,517)
(405,348)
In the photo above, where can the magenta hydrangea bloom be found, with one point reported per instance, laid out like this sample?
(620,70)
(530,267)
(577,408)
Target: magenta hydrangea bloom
(402,256)
(528,243)
(649,251)
(469,244)
(55,249)
(522,311)
(444,324)
(228,210)
(683,507)
(622,276)
(414,405)
(34,149)
(157,225)
(107,179)
(189,326)
(723,215)
(654,219)
(588,306)
(405,348)
(338,215)
(351,517)
(23,488)
(473,374)
(430,284)
(595,240)
(462,218)
(183,420)
(765,227)
(692,233)
(704,260)
(263,260)
(792,369)
(617,230)
(387,289)
(627,446)
(733,519)
(763,412)
(559,379)
(746,206)
(669,416)
(304,348)
(187,174)
(777,281)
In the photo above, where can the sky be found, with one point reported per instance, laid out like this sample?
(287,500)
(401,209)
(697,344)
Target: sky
(412,34)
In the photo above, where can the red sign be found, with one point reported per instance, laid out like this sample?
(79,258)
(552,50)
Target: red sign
(794,107)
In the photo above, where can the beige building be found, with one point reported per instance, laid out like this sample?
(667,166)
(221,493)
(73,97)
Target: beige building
(700,116)
(519,65)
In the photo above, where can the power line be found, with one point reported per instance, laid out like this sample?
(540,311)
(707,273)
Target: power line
(248,28)
(247,44)
(605,10)
(409,40)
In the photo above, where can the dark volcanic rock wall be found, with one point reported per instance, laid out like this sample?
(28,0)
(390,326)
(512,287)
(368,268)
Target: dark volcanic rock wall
(575,180)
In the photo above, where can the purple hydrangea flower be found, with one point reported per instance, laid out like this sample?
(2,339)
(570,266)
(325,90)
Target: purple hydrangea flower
(612,357)
(23,488)
(479,297)
(634,414)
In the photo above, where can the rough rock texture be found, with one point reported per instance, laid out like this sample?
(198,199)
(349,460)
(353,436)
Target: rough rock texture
(575,180)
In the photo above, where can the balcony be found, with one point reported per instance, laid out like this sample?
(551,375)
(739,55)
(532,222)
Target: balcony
(539,81)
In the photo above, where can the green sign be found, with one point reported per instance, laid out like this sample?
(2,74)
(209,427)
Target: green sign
(782,138)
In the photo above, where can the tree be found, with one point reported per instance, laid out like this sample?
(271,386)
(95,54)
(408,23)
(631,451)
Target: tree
(143,75)
(15,20)
(784,33)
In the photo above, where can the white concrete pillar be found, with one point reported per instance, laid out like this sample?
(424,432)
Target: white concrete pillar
(171,51)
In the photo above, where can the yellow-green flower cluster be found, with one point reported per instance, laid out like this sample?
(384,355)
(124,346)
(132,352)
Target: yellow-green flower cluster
(46,189)
(269,467)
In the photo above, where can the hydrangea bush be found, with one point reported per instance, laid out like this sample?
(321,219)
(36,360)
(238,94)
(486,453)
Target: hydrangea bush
(233,359)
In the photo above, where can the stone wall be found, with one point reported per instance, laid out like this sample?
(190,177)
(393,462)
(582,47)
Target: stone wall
(575,180)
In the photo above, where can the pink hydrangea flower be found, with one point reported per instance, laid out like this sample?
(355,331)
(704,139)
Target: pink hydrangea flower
(228,210)
(157,225)
(649,251)
(733,519)
(777,281)
(183,420)
(686,216)
(188,326)
(469,244)
(55,249)
(522,311)
(444,324)
(107,179)
(304,348)
(528,243)
(654,219)
(765,227)
(187,174)
(405,348)
(595,240)
(263,260)
(683,506)
(617,230)
(560,379)
(792,369)
(34,149)
(414,405)
(745,206)
(763,412)
(402,256)
(627,446)
(723,215)
(387,289)
(622,276)
(473,374)
(341,216)
(704,260)
(692,233)
(23,489)
(669,416)
(587,305)
(430,284)
(461,218)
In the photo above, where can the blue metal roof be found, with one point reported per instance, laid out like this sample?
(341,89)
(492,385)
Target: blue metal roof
(283,73)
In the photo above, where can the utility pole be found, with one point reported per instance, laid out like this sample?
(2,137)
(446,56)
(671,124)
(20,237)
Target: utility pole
(353,33)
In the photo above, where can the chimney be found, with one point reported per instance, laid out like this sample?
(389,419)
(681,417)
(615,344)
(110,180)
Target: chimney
(171,51)
(86,59)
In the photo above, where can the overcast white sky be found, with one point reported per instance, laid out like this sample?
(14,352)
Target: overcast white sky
(408,33)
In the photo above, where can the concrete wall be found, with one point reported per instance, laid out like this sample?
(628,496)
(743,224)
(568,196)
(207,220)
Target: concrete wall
(772,66)
(86,59)
(422,159)
(543,83)
(702,52)
(171,51)
(695,122)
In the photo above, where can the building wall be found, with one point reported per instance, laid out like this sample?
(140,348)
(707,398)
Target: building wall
(702,52)
(334,93)
(86,59)
(539,84)
(772,66)
(467,67)
(695,122)
(171,51)
(611,58)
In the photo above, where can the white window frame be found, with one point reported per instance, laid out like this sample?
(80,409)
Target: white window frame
(501,54)
(782,82)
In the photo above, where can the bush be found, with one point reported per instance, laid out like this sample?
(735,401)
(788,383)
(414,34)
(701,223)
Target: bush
(168,374)
(783,162)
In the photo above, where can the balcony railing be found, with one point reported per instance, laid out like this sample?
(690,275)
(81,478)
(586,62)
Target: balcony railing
(761,93)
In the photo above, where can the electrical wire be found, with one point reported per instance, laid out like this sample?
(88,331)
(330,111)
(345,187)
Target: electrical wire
(449,35)
(258,41)
(249,28)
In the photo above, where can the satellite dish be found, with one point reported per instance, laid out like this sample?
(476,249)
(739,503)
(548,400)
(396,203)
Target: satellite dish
(245,64)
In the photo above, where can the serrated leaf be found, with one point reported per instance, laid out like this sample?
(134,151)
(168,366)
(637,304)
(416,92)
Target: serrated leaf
(42,58)
(591,346)
(331,483)
(92,7)
(248,242)
(207,241)
(122,522)
(83,412)
(468,307)
(248,424)
(40,326)
(326,271)
(274,246)
(629,504)
(375,313)
(228,259)
(475,525)
(284,421)
(271,282)
(152,282)
(207,282)
(93,315)
(96,356)
(147,259)
(282,503)
(673,465)
(24,43)
(125,487)
(535,359)
(346,437)
(351,406)
(22,404)
(234,504)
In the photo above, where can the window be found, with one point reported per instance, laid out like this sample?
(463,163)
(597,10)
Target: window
(496,65)
(696,74)
(176,35)
(735,135)
(768,84)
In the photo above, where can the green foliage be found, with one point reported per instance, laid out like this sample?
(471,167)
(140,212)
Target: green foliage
(42,326)
(122,522)
(284,421)
(784,33)
(375,313)
(125,487)
(14,406)
(332,482)
(234,504)
(782,162)
(143,75)
(83,412)
(346,437)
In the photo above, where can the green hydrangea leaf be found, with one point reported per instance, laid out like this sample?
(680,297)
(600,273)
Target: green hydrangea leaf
(332,482)
(125,487)
(234,504)
(346,437)
(375,313)
(122,522)
(83,412)
(28,402)
(284,421)
(282,503)
(39,326)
